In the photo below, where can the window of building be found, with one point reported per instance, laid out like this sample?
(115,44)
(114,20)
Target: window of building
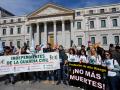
(4,31)
(79,41)
(19,19)
(93,40)
(18,43)
(114,21)
(78,13)
(19,30)
(103,23)
(4,21)
(67,25)
(116,38)
(78,25)
(102,11)
(91,24)
(11,20)
(11,31)
(104,40)
(90,11)
(113,9)
(28,29)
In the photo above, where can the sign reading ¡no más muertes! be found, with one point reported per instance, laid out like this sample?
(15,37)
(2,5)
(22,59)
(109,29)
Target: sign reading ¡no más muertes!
(87,76)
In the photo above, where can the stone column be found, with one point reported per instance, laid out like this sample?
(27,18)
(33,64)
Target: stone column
(45,33)
(72,31)
(38,35)
(63,33)
(32,39)
(55,32)
(31,35)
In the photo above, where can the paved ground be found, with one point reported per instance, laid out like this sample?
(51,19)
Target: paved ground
(35,86)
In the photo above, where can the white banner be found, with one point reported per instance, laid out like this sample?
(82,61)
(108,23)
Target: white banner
(29,63)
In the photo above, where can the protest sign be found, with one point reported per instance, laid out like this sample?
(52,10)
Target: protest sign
(29,63)
(87,75)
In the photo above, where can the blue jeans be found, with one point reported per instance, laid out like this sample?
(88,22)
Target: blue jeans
(50,75)
(113,83)
(10,78)
(62,73)
(36,76)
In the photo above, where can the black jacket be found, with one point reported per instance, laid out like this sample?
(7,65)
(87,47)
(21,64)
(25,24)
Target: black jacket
(45,50)
(62,55)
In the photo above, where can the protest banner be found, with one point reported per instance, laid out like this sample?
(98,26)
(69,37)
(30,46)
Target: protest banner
(29,63)
(87,76)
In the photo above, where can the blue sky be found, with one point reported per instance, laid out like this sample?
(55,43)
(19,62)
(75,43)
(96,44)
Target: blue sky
(23,7)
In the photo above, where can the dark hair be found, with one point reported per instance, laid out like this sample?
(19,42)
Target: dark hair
(72,49)
(61,46)
(83,51)
(79,52)
(24,48)
(101,51)
(49,44)
(7,48)
(107,51)
(82,46)
(111,45)
(117,47)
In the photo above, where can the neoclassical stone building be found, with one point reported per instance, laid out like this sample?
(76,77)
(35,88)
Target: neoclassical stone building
(59,25)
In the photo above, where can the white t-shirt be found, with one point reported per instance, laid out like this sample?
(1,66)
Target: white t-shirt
(95,60)
(92,59)
(110,64)
(72,58)
(83,58)
(98,60)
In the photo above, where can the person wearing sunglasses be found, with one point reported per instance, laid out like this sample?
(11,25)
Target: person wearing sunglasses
(113,68)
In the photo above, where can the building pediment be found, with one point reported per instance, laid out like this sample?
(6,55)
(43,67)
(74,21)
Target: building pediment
(50,10)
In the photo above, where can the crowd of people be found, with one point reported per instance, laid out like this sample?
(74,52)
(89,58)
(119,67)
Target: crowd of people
(92,55)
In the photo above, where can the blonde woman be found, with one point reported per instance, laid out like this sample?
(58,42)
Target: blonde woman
(93,58)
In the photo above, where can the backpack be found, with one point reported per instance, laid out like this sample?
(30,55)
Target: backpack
(117,72)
